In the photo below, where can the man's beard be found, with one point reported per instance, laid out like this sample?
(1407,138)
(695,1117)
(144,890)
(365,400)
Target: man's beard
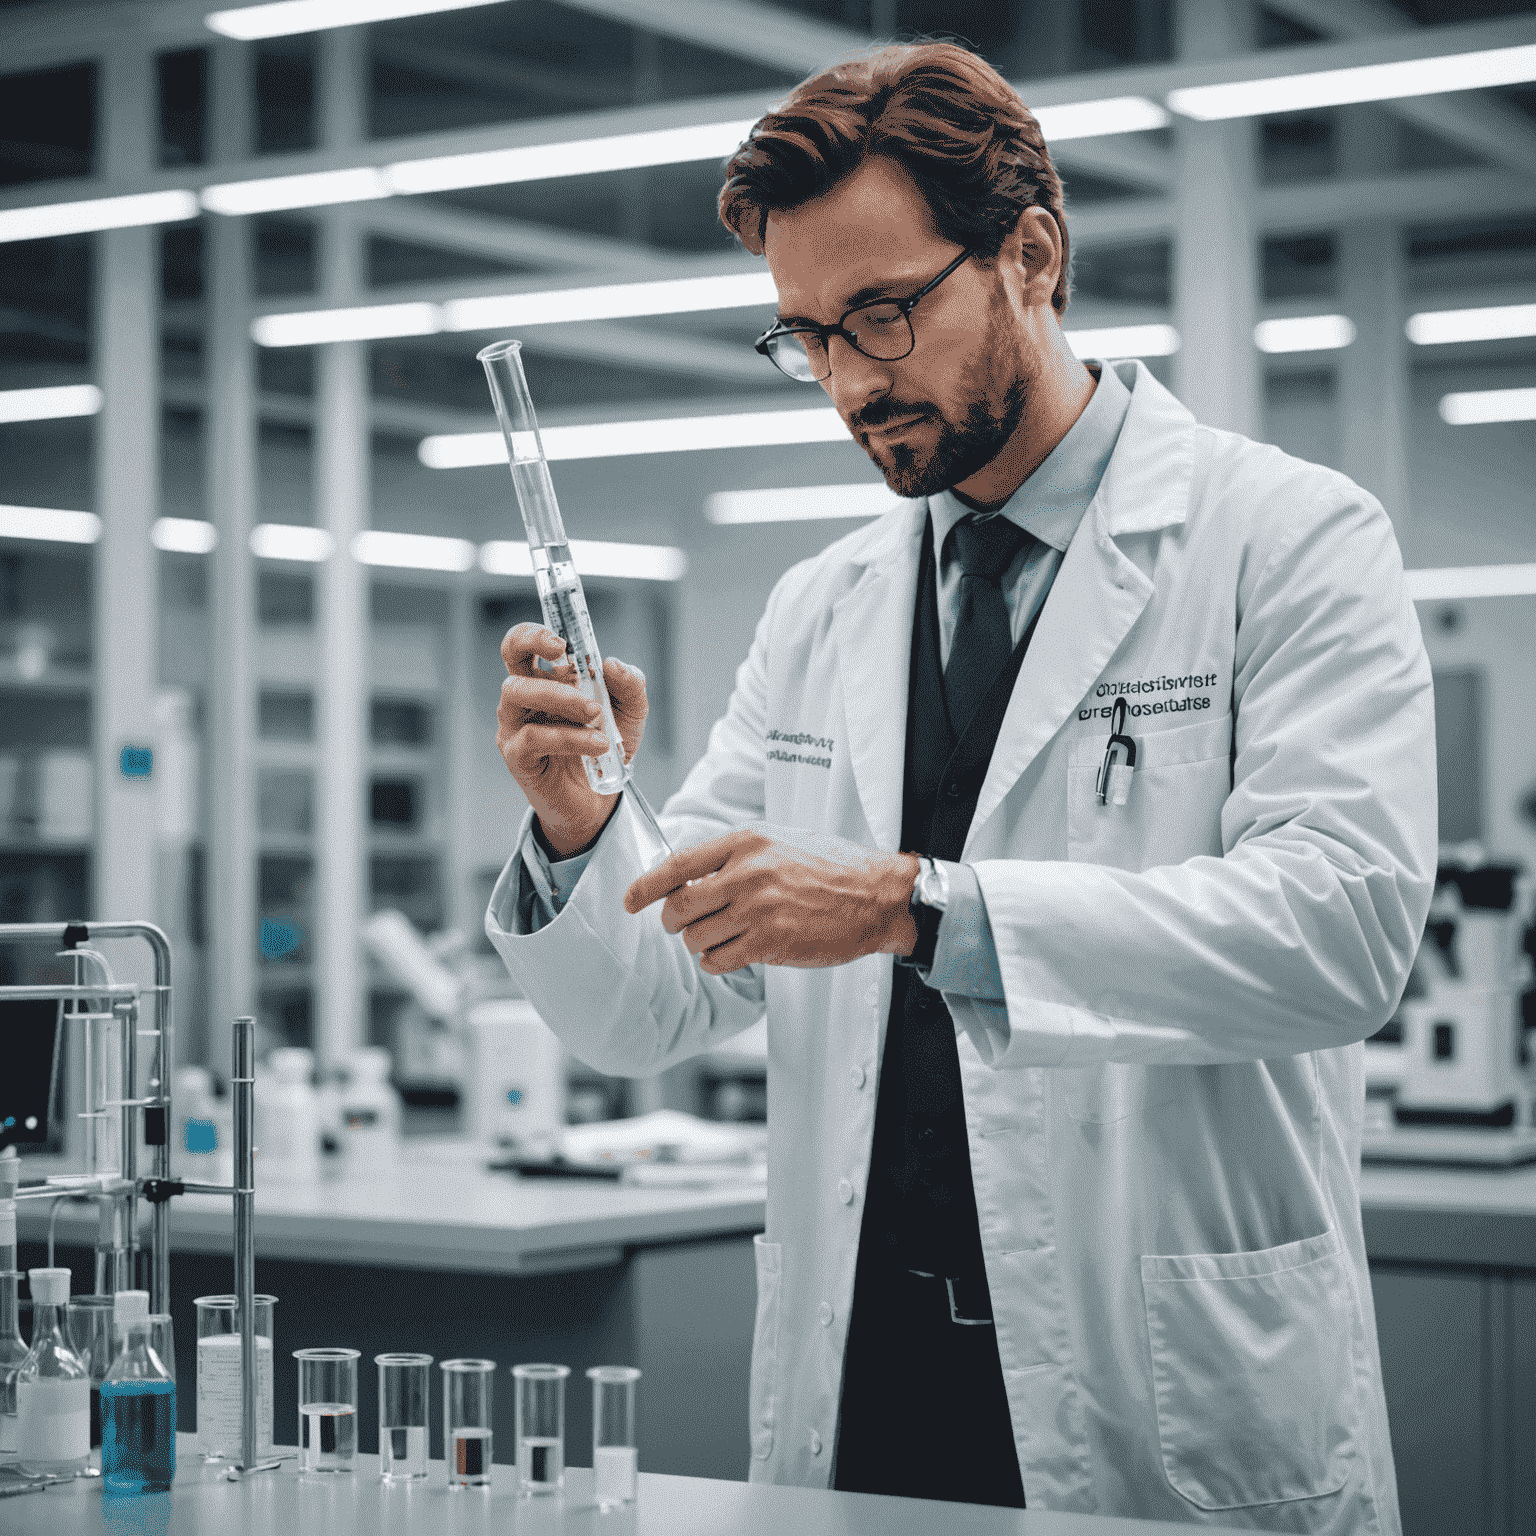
(961,450)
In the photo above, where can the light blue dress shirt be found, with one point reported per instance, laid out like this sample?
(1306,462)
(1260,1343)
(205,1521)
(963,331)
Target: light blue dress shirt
(1048,506)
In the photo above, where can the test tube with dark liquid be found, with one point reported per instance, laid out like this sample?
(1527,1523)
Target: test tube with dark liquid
(468,1391)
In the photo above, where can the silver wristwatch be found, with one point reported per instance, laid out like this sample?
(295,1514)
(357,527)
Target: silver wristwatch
(929,901)
(931,888)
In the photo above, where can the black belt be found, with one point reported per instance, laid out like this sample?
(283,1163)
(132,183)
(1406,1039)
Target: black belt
(970,1302)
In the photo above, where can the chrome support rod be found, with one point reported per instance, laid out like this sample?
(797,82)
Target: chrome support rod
(242,1081)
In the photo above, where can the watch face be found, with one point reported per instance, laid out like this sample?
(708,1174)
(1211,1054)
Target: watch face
(930,888)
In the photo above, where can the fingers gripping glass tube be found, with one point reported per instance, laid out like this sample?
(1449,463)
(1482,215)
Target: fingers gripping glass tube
(560,592)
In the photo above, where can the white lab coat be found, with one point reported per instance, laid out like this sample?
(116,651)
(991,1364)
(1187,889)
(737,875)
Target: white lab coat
(1165,1131)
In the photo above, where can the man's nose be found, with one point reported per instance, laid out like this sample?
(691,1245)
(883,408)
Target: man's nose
(856,381)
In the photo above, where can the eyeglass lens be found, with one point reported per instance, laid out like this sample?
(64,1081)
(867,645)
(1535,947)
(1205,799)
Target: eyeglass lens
(879,331)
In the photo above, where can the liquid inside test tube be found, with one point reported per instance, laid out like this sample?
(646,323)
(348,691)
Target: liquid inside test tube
(614,1469)
(541,1463)
(403,1452)
(328,1437)
(469,1458)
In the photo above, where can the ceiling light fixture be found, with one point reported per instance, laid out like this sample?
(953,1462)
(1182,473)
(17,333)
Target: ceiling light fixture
(1478,407)
(593,557)
(291,541)
(612,301)
(184,536)
(1459,581)
(1090,119)
(413,551)
(45,220)
(1365,82)
(370,322)
(1125,341)
(799,503)
(1497,322)
(49,523)
(315,189)
(1304,333)
(286,18)
(49,404)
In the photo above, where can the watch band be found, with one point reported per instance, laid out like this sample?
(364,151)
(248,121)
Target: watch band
(927,917)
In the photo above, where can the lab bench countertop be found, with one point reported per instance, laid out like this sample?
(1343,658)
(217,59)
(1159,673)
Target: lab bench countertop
(358,1503)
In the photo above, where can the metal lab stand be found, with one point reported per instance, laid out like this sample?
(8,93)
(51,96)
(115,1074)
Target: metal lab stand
(118,1192)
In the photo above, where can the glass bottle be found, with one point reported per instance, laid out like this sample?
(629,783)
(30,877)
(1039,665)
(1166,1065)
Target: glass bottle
(53,1387)
(12,1351)
(138,1407)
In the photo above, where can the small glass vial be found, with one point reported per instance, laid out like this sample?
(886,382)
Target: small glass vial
(403,1386)
(53,1387)
(615,1461)
(468,1389)
(327,1409)
(138,1406)
(540,1428)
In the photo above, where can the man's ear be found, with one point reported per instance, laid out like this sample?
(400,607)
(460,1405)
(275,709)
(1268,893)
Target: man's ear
(1033,247)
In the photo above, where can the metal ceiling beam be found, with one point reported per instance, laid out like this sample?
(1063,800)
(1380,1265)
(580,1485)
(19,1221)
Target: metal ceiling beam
(1476,121)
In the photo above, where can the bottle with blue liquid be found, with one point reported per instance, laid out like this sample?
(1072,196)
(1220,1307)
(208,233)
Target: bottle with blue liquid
(138,1407)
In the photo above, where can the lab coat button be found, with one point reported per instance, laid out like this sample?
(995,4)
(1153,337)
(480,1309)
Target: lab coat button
(845,1191)
(815,1443)
(856,1076)
(824,1314)
(952,789)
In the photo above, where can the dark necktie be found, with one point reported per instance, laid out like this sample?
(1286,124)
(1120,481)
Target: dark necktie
(983,639)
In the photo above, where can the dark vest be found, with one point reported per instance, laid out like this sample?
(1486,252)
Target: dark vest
(920,1212)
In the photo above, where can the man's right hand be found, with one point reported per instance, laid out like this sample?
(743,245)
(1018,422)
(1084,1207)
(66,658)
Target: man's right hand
(544,727)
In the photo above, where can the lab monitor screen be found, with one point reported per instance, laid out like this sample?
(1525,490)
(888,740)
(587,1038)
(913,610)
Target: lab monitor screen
(29,1033)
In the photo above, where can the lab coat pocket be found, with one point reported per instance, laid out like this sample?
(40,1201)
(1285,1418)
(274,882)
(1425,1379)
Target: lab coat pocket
(765,1346)
(1173,810)
(1253,1372)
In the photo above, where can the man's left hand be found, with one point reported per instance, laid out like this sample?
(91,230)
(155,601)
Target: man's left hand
(782,896)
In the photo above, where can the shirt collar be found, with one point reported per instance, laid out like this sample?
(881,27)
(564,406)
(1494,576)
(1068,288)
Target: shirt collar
(1051,502)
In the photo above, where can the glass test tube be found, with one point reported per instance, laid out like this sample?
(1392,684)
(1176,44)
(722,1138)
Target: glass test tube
(327,1409)
(218,1377)
(88,1322)
(540,1427)
(615,1460)
(403,1388)
(468,1388)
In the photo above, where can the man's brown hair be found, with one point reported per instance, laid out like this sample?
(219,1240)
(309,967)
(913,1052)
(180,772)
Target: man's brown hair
(946,116)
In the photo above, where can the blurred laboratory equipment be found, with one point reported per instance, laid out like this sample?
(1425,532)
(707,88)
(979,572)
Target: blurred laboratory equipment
(514,1077)
(404,1387)
(327,1409)
(203,1149)
(53,1388)
(138,1407)
(12,1351)
(540,1427)
(428,1044)
(554,571)
(90,1325)
(469,1387)
(615,1459)
(220,1354)
(288,1117)
(1452,1075)
(369,1111)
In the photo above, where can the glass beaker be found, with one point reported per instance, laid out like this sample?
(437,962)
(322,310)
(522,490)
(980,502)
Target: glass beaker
(218,1377)
(468,1389)
(404,1383)
(88,1322)
(615,1460)
(327,1409)
(540,1427)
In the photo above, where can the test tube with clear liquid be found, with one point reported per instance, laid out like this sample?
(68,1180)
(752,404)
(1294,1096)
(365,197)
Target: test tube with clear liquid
(554,571)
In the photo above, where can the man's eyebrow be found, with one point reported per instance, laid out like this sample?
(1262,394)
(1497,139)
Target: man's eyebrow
(863,296)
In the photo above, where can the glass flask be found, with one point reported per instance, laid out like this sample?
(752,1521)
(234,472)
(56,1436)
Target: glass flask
(138,1407)
(53,1387)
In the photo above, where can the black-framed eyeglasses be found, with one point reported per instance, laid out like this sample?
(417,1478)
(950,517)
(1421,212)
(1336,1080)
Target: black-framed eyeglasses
(882,330)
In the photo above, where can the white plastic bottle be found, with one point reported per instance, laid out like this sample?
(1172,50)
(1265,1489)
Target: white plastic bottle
(53,1387)
(287,1117)
(370,1112)
(194,1152)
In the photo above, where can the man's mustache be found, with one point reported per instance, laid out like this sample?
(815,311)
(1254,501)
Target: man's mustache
(884,414)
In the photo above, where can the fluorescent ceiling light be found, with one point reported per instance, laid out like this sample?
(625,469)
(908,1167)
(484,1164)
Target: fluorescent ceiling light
(1125,341)
(1496,323)
(184,536)
(1478,406)
(1089,119)
(614,301)
(46,220)
(577,157)
(1458,581)
(287,17)
(799,503)
(315,189)
(1366,82)
(50,403)
(49,523)
(414,551)
(616,439)
(1304,333)
(593,557)
(290,541)
(370,322)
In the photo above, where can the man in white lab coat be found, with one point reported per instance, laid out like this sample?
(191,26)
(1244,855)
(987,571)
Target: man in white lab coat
(1062,1205)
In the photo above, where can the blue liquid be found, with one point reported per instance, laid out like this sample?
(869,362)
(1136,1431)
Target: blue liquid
(138,1436)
